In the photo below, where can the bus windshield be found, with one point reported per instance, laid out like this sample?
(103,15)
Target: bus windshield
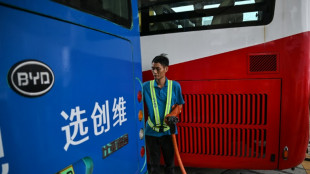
(171,16)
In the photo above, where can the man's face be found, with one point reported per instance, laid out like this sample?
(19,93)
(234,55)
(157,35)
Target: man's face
(159,71)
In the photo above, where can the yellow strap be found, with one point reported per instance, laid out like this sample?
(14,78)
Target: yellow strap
(154,102)
(157,129)
(155,105)
(169,97)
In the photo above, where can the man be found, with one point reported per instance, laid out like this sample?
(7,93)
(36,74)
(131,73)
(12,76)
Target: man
(160,95)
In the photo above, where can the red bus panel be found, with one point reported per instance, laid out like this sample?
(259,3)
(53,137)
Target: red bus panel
(230,121)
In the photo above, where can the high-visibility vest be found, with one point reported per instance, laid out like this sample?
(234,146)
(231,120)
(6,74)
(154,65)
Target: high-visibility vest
(160,127)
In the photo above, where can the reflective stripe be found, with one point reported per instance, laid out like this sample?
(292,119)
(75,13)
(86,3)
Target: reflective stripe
(154,102)
(169,97)
(155,128)
(155,107)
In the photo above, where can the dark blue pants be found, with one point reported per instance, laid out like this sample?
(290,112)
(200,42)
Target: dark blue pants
(154,146)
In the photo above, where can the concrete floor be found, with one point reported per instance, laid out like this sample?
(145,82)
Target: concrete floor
(303,168)
(298,170)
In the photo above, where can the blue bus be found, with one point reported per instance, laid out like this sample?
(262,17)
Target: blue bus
(70,87)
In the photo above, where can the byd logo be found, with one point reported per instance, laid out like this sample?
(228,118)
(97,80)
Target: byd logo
(31,78)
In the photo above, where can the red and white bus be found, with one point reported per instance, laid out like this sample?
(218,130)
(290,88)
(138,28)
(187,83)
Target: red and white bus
(243,66)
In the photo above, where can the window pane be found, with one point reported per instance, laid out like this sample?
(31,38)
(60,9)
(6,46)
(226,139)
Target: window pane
(188,15)
(117,11)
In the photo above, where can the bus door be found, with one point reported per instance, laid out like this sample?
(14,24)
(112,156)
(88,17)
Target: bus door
(231,122)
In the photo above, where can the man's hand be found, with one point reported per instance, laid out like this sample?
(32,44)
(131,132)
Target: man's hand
(176,110)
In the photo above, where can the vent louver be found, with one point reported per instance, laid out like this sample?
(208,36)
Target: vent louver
(230,123)
(263,63)
(225,125)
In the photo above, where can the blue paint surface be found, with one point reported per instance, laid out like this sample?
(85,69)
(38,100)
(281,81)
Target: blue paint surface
(95,65)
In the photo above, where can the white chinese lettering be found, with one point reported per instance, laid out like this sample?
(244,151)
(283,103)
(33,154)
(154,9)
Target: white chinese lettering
(5,167)
(119,111)
(102,119)
(77,127)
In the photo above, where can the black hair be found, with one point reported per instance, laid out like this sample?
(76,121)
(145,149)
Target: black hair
(162,59)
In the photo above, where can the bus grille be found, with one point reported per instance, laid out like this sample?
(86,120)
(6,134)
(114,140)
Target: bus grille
(224,125)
